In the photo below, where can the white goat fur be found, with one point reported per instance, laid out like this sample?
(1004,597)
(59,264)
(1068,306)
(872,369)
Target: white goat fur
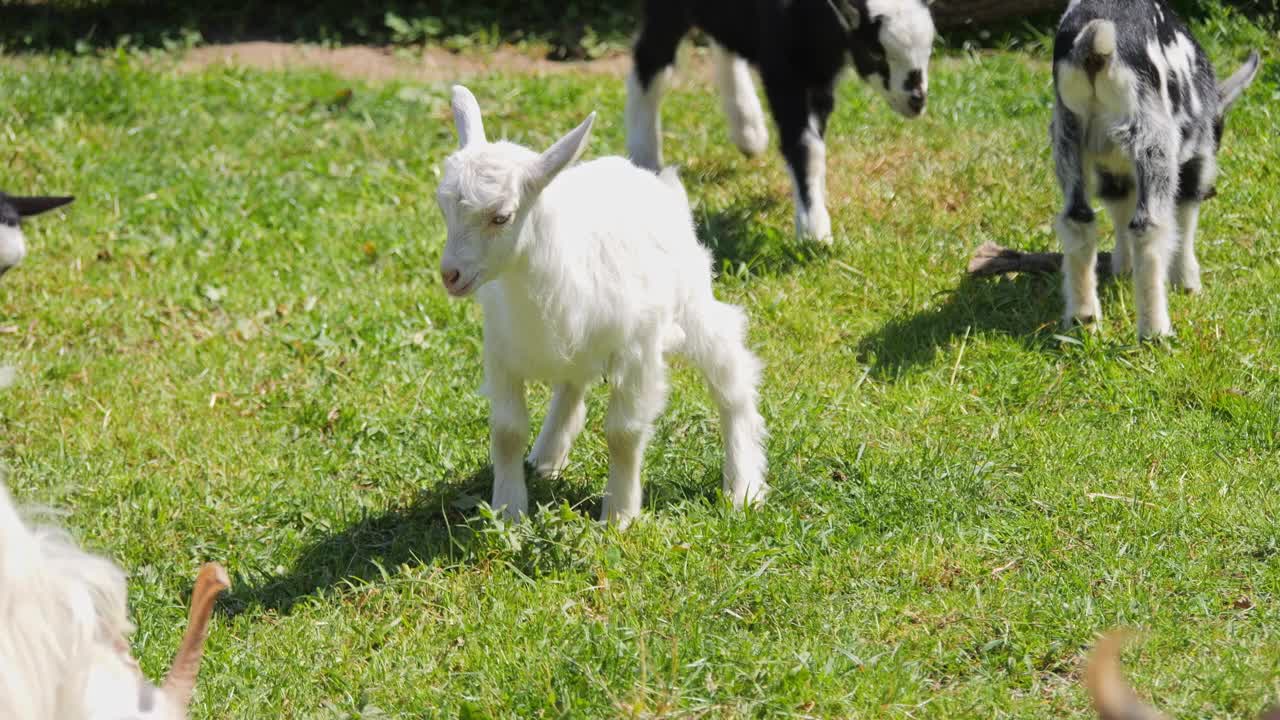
(63,624)
(587,272)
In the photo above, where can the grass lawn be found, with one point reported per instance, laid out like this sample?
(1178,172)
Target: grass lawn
(234,346)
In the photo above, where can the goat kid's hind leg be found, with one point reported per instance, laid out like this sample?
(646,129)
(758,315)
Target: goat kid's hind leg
(741,105)
(717,345)
(508,433)
(1077,226)
(564,421)
(1154,235)
(639,394)
(799,130)
(654,55)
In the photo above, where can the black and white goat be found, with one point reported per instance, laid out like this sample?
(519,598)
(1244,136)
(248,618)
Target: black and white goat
(800,48)
(1138,120)
(13,246)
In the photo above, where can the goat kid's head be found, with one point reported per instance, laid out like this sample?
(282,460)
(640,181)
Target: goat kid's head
(1232,88)
(13,246)
(487,192)
(891,42)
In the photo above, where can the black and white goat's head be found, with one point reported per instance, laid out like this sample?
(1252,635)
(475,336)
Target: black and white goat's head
(13,246)
(486,192)
(891,42)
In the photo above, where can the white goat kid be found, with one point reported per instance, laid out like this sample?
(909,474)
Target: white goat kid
(64,653)
(583,272)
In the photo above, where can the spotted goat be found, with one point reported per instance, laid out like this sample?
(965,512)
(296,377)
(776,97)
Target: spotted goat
(1138,121)
(800,47)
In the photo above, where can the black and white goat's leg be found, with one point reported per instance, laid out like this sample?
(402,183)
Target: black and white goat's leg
(1154,234)
(654,56)
(1195,177)
(1117,193)
(747,126)
(1077,225)
(801,115)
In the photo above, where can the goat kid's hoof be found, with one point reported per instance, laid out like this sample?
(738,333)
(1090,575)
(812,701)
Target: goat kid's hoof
(752,138)
(1187,282)
(1159,336)
(1090,322)
(750,499)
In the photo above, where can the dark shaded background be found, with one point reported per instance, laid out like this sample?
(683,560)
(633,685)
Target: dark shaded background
(569,28)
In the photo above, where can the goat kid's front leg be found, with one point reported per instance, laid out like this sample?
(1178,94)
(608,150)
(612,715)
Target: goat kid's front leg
(1185,270)
(564,421)
(800,132)
(741,105)
(508,433)
(638,397)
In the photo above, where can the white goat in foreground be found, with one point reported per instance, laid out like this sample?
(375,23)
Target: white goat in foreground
(64,626)
(584,272)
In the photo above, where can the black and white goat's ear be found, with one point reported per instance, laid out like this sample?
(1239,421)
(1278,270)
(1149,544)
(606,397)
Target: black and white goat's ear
(559,156)
(846,14)
(1232,88)
(28,206)
(466,116)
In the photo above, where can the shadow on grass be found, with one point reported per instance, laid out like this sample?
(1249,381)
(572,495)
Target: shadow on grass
(742,245)
(1023,305)
(440,523)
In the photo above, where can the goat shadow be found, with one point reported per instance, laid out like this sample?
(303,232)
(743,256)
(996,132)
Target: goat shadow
(1025,305)
(740,244)
(434,525)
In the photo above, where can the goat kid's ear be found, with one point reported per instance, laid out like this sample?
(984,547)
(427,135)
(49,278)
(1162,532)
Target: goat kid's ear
(28,206)
(1232,88)
(558,156)
(466,116)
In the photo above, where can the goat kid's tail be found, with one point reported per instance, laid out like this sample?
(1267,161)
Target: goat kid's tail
(671,176)
(181,681)
(1095,47)
(1112,696)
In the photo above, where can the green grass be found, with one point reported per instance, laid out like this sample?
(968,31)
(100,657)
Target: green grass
(234,347)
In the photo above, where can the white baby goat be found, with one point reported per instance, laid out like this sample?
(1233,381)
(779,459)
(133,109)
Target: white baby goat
(64,625)
(584,272)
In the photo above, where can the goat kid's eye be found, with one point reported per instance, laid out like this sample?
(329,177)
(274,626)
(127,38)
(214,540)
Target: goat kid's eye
(501,219)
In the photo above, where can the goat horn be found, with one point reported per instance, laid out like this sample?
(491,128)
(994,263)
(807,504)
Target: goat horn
(1112,696)
(181,680)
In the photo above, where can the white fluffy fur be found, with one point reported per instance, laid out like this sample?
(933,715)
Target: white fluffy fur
(63,631)
(13,247)
(588,272)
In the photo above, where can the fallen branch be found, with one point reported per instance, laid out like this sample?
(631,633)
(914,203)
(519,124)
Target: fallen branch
(992,259)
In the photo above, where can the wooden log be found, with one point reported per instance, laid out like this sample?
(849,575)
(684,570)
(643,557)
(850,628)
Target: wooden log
(992,259)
